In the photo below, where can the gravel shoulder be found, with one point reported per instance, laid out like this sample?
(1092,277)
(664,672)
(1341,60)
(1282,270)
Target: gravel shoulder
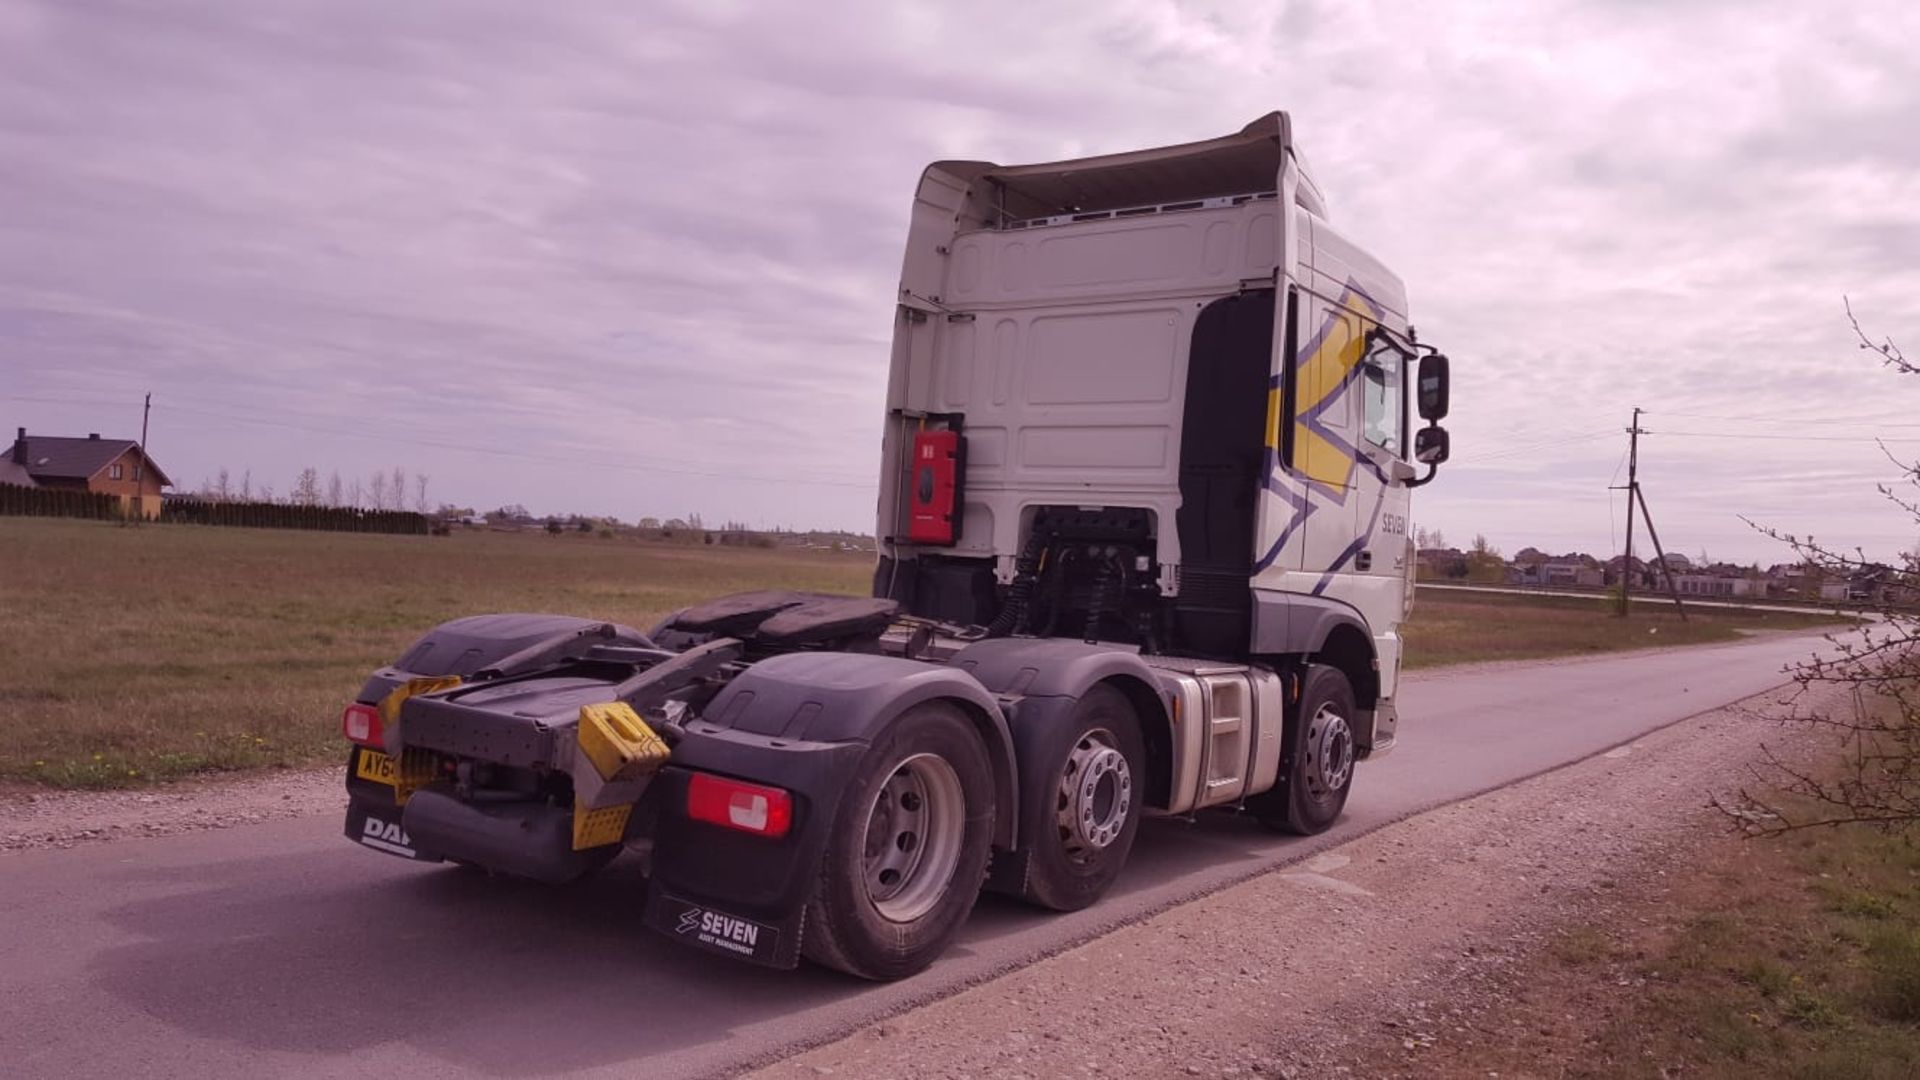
(1359,961)
(36,818)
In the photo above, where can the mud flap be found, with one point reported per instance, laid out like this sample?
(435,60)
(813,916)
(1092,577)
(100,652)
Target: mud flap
(770,944)
(378,827)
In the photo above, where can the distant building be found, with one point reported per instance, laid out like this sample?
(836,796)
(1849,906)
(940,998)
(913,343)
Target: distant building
(1717,585)
(117,467)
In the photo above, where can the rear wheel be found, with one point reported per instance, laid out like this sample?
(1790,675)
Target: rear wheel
(1084,808)
(908,849)
(1315,791)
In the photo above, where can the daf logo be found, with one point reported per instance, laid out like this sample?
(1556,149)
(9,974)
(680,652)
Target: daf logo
(390,831)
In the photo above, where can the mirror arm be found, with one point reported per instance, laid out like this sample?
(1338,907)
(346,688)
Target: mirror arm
(1432,471)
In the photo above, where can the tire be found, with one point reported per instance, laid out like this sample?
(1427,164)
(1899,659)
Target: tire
(907,851)
(1081,803)
(1322,751)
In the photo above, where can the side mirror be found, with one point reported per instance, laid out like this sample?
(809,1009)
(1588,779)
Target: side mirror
(1430,445)
(1431,389)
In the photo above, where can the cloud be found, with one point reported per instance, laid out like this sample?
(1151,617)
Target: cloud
(604,257)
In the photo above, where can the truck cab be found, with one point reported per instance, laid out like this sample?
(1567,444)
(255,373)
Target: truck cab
(1166,380)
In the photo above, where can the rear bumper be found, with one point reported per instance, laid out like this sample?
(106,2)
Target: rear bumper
(722,890)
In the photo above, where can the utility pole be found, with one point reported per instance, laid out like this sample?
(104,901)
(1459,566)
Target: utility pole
(144,411)
(1636,498)
(1633,486)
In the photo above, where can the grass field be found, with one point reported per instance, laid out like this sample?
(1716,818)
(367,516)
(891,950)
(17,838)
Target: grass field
(1461,627)
(132,654)
(138,654)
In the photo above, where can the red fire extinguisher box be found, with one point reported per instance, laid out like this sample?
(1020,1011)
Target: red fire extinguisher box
(939,464)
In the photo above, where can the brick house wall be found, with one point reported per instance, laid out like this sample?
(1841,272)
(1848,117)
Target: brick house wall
(135,478)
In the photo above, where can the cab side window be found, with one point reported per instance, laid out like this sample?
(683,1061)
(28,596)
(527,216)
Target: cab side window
(1384,386)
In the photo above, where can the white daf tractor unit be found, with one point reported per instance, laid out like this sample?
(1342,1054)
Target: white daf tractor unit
(1144,486)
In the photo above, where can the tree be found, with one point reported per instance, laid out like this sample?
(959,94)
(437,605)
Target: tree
(377,490)
(649,522)
(223,488)
(1877,667)
(306,490)
(420,493)
(334,494)
(1484,564)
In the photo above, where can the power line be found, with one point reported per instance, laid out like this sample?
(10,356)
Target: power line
(1782,438)
(1517,451)
(1766,418)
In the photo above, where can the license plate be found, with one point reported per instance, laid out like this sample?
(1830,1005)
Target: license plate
(377,767)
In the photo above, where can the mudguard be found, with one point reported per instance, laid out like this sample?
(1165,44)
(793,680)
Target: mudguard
(800,722)
(1049,667)
(825,697)
(1045,678)
(464,646)
(1285,624)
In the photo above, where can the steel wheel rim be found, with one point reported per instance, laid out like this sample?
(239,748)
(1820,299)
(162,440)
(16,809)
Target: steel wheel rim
(916,825)
(1332,743)
(1095,795)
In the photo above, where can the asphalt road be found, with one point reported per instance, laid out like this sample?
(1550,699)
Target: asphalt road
(282,949)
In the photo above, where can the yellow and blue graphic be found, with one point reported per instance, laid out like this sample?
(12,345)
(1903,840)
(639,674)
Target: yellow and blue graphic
(1324,371)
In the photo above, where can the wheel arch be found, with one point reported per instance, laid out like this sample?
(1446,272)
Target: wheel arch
(1049,674)
(1317,630)
(1348,649)
(852,697)
(1156,730)
(992,728)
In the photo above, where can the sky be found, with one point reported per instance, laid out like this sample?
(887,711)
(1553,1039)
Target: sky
(639,258)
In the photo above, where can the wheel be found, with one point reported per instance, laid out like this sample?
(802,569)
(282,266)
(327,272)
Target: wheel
(1082,803)
(1316,785)
(908,849)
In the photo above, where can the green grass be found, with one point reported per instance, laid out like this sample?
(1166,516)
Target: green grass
(1792,957)
(138,654)
(130,655)
(1461,627)
(1813,970)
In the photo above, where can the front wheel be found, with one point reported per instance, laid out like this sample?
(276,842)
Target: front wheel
(1322,751)
(908,851)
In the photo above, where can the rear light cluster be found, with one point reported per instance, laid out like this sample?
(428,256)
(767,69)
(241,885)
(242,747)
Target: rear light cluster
(361,724)
(734,804)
